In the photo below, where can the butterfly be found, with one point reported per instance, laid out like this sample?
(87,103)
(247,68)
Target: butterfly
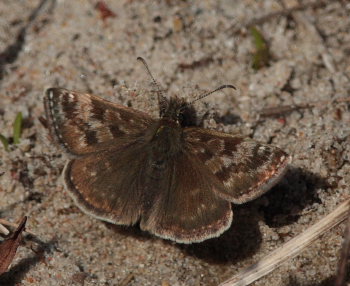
(175,179)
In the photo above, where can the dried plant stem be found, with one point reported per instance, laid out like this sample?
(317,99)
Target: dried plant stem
(344,255)
(127,280)
(7,223)
(234,29)
(289,249)
(279,110)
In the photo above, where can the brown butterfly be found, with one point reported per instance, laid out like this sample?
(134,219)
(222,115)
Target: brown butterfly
(174,178)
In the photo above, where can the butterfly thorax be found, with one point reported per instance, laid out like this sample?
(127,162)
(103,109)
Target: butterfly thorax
(167,137)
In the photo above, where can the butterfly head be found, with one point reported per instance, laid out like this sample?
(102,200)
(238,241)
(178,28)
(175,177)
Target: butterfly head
(175,109)
(178,110)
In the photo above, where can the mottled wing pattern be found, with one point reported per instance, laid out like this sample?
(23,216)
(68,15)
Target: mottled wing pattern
(134,168)
(164,201)
(102,186)
(186,208)
(246,168)
(82,123)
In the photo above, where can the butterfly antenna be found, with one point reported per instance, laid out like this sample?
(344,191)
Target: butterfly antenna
(210,92)
(161,96)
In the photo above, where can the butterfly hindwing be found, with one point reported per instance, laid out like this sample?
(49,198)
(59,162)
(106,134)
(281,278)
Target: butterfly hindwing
(109,184)
(186,208)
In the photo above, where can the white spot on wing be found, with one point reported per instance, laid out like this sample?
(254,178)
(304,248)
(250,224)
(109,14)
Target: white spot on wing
(82,142)
(123,129)
(227,161)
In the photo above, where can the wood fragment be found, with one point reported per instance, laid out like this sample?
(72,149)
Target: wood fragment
(290,249)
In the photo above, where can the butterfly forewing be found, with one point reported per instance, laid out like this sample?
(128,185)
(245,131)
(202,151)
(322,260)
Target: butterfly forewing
(82,123)
(245,167)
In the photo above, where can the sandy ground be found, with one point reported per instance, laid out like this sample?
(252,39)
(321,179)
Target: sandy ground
(191,46)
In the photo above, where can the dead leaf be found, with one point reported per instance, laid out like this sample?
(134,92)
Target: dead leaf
(9,247)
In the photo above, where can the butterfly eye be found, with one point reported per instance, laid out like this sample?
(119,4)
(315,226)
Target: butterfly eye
(179,117)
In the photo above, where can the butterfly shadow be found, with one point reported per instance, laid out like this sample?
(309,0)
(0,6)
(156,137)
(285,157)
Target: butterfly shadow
(228,118)
(282,205)
(288,199)
(241,240)
(129,231)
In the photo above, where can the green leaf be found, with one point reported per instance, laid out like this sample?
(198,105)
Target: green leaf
(17,128)
(4,142)
(261,56)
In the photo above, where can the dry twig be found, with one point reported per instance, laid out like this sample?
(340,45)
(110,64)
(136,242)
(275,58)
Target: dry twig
(127,280)
(344,255)
(290,249)
(280,110)
(7,223)
(234,29)
(4,230)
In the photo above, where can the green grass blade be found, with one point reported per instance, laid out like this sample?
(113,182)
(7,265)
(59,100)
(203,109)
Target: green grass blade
(17,128)
(4,142)
(258,38)
(261,55)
